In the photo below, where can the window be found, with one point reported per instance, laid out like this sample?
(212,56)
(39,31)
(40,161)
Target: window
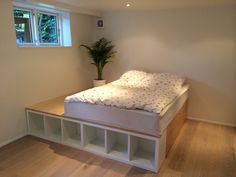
(23,26)
(47,28)
(37,26)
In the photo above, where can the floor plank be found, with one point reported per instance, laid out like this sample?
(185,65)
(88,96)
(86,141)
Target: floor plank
(201,150)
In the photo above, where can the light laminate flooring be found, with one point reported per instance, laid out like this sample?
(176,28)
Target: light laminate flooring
(201,150)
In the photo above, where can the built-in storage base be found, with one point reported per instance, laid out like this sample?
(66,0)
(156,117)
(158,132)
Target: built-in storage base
(128,147)
(71,133)
(143,151)
(46,120)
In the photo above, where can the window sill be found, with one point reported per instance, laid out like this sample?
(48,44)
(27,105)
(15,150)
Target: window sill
(42,46)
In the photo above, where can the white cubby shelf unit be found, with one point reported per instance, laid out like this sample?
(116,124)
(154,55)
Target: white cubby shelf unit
(136,149)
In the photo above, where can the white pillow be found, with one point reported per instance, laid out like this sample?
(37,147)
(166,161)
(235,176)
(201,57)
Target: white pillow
(131,79)
(136,78)
(133,75)
(168,80)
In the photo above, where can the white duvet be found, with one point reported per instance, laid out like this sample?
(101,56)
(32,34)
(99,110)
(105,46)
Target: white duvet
(134,90)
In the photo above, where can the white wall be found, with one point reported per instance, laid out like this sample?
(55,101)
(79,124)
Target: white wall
(31,75)
(197,43)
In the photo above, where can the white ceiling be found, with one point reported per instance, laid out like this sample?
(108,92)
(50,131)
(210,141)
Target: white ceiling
(114,5)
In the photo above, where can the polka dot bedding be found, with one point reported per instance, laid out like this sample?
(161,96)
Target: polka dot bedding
(135,90)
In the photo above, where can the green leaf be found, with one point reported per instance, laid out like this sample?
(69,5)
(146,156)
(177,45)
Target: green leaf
(100,52)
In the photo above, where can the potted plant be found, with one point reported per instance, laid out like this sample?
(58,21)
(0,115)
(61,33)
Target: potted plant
(100,52)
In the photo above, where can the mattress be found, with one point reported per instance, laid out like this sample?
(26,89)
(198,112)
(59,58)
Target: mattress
(139,121)
(152,92)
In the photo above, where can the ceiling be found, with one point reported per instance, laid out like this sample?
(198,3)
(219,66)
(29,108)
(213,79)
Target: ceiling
(117,5)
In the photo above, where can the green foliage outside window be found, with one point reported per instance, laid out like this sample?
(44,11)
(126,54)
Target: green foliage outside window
(46,28)
(47,25)
(21,13)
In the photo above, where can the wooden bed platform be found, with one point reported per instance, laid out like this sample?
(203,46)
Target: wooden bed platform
(46,120)
(53,106)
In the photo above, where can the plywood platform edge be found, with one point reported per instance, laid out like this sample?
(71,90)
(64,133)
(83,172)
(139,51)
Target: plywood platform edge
(53,106)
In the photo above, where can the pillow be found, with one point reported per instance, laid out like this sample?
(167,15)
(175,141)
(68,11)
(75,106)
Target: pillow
(133,75)
(167,80)
(132,79)
(138,79)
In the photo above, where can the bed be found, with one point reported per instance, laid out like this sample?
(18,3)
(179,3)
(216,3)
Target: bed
(137,117)
(134,120)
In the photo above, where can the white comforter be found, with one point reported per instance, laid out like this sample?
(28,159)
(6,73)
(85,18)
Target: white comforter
(130,95)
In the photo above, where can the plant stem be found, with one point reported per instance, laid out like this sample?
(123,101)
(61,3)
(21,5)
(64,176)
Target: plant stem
(99,70)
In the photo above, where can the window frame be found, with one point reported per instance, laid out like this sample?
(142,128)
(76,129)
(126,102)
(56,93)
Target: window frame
(34,26)
(58,21)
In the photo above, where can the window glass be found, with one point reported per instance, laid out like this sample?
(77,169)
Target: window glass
(47,27)
(23,26)
(39,26)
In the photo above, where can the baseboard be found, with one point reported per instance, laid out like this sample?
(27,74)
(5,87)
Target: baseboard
(211,121)
(12,139)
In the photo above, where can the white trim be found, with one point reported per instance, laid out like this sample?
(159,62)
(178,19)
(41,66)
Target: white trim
(59,7)
(38,6)
(211,121)
(12,140)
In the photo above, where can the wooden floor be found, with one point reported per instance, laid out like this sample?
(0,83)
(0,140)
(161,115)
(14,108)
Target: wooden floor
(201,150)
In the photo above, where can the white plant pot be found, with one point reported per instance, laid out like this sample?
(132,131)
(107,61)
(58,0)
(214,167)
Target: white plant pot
(97,83)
